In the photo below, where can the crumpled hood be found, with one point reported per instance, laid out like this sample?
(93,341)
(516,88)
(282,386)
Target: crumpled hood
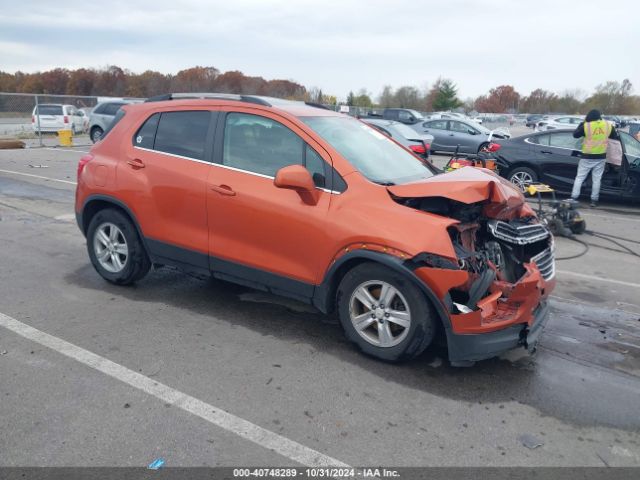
(471,185)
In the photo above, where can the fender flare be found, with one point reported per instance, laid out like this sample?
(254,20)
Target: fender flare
(116,202)
(323,294)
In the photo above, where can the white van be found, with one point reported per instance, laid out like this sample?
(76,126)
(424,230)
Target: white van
(55,116)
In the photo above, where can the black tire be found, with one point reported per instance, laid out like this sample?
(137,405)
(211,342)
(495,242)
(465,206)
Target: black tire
(482,145)
(521,172)
(96,134)
(422,327)
(137,263)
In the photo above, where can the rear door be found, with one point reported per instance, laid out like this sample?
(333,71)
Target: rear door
(164,180)
(438,128)
(260,233)
(558,154)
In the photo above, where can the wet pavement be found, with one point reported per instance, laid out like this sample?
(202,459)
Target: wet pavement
(284,367)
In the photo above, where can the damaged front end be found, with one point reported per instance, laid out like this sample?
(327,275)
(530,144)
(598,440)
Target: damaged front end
(495,289)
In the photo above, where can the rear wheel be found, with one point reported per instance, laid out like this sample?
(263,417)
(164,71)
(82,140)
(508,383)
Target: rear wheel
(115,248)
(96,134)
(482,145)
(522,176)
(384,313)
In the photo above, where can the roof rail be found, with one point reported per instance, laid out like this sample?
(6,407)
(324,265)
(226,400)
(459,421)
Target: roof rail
(218,96)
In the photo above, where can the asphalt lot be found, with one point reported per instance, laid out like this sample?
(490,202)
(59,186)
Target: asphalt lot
(201,372)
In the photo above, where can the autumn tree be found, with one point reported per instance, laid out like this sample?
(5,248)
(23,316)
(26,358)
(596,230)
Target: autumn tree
(81,82)
(502,99)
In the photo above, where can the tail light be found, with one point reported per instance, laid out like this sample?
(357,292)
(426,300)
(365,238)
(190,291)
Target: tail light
(66,119)
(33,119)
(494,147)
(83,161)
(427,146)
(419,149)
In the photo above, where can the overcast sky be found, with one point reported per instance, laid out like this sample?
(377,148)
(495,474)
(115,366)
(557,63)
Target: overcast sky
(338,45)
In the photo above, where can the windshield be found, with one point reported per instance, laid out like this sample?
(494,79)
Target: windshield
(377,157)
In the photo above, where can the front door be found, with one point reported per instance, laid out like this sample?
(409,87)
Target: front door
(260,233)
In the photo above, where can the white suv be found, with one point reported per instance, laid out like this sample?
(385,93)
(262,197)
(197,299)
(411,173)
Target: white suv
(56,116)
(569,121)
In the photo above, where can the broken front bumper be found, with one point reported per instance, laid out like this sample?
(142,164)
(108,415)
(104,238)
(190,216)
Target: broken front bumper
(468,348)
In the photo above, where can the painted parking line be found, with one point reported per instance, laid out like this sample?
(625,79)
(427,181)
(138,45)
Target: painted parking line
(65,150)
(265,438)
(38,176)
(600,279)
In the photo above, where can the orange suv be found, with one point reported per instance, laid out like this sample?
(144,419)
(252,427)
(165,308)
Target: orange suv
(315,205)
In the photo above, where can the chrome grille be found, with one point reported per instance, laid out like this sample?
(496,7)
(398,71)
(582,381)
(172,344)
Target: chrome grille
(545,261)
(518,233)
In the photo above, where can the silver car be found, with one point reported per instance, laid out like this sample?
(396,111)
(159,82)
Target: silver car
(465,136)
(101,117)
(418,143)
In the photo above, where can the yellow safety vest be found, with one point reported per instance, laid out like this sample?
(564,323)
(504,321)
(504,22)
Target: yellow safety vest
(596,134)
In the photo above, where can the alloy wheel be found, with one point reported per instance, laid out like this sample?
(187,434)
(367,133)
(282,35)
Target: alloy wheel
(110,247)
(379,313)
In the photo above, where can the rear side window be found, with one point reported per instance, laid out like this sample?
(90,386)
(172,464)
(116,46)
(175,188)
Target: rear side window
(540,139)
(565,140)
(111,108)
(437,124)
(147,133)
(49,110)
(183,133)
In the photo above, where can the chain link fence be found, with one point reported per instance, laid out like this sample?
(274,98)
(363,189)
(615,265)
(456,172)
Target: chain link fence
(37,119)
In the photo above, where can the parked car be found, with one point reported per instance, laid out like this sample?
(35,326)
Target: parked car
(101,117)
(553,123)
(614,120)
(51,117)
(532,120)
(552,158)
(418,143)
(403,115)
(313,204)
(463,136)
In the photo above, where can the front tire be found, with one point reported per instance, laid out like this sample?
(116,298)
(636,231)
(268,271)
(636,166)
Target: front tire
(522,176)
(115,248)
(384,313)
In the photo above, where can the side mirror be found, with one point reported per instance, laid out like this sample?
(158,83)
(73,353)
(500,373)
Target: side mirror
(298,178)
(412,118)
(472,132)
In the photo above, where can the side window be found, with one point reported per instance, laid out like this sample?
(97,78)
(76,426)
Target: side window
(99,108)
(316,166)
(540,139)
(183,133)
(404,116)
(145,136)
(259,144)
(565,140)
(437,124)
(111,108)
(459,127)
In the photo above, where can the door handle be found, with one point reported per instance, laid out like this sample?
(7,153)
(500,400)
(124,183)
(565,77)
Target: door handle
(546,152)
(136,163)
(223,190)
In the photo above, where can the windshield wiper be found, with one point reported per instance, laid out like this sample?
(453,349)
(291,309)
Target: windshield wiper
(384,183)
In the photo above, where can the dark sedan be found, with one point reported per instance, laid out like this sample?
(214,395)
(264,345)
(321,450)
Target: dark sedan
(552,158)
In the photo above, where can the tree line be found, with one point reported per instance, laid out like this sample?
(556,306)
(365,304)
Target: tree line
(114,81)
(611,97)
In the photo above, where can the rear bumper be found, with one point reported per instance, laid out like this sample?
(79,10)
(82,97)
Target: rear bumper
(468,348)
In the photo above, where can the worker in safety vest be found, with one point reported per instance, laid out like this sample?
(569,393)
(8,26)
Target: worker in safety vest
(596,133)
